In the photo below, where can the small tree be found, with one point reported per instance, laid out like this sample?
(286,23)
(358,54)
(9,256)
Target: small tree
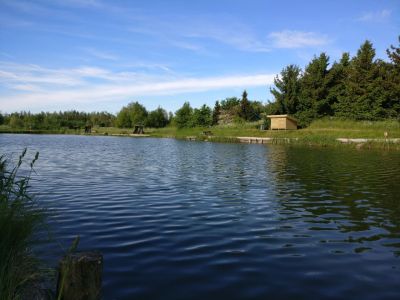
(202,116)
(123,119)
(183,116)
(157,118)
(137,113)
(245,107)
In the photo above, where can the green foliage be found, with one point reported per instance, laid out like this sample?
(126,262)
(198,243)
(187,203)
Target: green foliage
(313,100)
(230,104)
(360,88)
(245,107)
(216,113)
(131,115)
(123,118)
(19,218)
(287,90)
(58,120)
(361,98)
(137,113)
(235,110)
(157,118)
(184,115)
(202,116)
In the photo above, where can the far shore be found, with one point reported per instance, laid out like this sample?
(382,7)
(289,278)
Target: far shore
(322,133)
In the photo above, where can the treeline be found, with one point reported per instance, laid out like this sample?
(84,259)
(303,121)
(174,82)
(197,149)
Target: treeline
(230,110)
(360,87)
(57,120)
(225,111)
(136,114)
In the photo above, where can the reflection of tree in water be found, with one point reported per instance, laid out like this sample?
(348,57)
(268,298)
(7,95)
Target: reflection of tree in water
(350,193)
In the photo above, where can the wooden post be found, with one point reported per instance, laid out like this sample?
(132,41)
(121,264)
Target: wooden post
(80,276)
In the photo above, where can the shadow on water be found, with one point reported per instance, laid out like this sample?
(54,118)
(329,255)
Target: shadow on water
(354,194)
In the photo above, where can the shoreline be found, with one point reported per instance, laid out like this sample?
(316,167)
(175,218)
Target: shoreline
(310,140)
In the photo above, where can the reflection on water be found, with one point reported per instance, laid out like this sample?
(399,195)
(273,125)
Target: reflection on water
(179,220)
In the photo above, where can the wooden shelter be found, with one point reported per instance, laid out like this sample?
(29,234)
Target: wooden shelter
(284,122)
(139,129)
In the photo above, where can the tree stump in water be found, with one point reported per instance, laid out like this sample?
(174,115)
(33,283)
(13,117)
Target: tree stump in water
(80,276)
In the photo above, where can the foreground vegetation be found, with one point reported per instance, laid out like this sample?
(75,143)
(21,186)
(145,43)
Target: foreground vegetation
(20,217)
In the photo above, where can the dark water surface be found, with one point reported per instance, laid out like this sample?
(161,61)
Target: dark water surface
(195,220)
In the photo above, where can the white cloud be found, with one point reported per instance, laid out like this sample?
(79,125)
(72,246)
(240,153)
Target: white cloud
(26,93)
(14,75)
(296,39)
(101,54)
(376,16)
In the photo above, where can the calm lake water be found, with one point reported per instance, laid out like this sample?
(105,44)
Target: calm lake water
(196,220)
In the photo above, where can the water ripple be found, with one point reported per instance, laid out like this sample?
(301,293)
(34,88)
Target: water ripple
(189,220)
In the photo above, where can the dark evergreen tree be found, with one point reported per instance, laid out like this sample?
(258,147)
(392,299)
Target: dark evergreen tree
(394,54)
(362,98)
(313,101)
(245,107)
(287,89)
(393,82)
(216,113)
(337,78)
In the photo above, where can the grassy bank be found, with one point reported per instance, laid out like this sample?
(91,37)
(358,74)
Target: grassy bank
(19,219)
(323,132)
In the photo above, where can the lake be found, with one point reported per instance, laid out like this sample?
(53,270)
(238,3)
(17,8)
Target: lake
(197,220)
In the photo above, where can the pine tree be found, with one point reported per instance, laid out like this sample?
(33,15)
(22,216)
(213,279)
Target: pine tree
(362,98)
(338,76)
(313,101)
(216,113)
(287,89)
(245,107)
(392,105)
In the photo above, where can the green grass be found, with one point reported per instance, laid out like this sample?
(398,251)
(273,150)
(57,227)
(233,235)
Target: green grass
(20,217)
(324,132)
(8,129)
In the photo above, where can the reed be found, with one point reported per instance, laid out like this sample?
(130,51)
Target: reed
(20,217)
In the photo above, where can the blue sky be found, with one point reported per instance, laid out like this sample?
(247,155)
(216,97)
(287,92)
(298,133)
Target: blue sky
(96,55)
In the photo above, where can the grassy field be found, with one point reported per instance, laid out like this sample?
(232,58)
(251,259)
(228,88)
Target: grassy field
(324,132)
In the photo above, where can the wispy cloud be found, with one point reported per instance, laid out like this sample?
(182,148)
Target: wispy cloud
(14,76)
(376,16)
(296,39)
(29,86)
(101,54)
